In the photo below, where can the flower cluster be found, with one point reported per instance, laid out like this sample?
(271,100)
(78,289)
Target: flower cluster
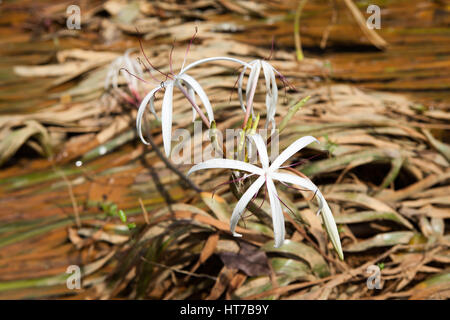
(268,173)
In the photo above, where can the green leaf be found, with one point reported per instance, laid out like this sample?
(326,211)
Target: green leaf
(258,285)
(292,268)
(381,240)
(443,278)
(113,209)
(105,207)
(122,216)
(396,165)
(303,251)
(218,206)
(291,113)
(364,216)
(364,200)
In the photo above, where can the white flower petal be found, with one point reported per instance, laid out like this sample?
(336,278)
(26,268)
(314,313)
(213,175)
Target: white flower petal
(271,94)
(243,202)
(330,225)
(152,105)
(117,66)
(241,77)
(212,59)
(262,150)
(328,219)
(166,118)
(109,76)
(274,88)
(253,76)
(291,150)
(290,178)
(271,90)
(277,213)
(138,68)
(201,93)
(266,69)
(128,78)
(129,65)
(252,79)
(226,164)
(141,110)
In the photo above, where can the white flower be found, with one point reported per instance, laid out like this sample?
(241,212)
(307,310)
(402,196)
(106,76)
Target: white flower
(271,88)
(267,174)
(123,62)
(180,81)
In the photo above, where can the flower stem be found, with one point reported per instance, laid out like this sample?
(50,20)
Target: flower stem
(195,106)
(169,164)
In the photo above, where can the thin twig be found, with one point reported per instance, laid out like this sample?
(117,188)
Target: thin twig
(147,220)
(72,197)
(371,34)
(326,33)
(198,275)
(169,164)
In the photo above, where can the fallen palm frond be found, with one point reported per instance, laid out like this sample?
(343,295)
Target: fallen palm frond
(371,34)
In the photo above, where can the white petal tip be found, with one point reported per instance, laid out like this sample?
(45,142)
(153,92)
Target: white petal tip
(237,235)
(144,142)
(277,245)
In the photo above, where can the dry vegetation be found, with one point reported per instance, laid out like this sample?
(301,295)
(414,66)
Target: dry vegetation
(383,165)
